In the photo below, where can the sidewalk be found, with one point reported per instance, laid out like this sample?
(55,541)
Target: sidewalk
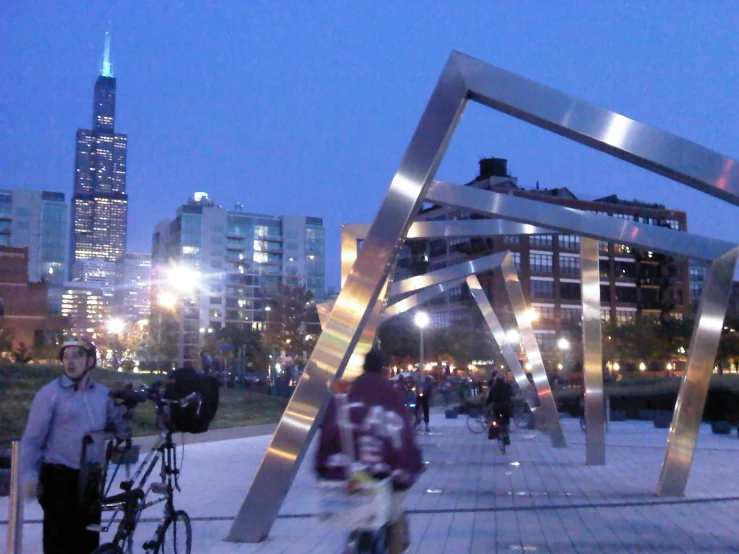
(534,499)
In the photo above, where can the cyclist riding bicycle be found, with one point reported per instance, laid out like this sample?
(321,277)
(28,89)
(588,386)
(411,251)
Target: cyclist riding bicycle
(384,440)
(499,402)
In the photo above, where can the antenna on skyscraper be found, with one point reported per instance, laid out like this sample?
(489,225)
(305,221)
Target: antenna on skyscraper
(107,70)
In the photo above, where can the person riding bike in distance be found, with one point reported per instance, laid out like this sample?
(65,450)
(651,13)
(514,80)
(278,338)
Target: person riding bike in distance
(384,440)
(499,401)
(62,412)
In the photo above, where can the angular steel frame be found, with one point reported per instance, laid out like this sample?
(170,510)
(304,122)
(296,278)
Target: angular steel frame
(547,417)
(462,79)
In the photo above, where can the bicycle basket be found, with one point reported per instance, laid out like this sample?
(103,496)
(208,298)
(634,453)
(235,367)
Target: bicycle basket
(367,509)
(196,416)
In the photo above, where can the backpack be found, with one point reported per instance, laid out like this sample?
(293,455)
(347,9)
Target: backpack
(196,416)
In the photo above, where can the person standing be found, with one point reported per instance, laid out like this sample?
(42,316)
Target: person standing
(62,412)
(423,399)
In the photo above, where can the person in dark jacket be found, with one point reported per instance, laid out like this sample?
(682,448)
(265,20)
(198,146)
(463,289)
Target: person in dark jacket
(424,392)
(384,441)
(499,399)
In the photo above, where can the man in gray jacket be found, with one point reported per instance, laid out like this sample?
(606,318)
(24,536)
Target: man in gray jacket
(62,412)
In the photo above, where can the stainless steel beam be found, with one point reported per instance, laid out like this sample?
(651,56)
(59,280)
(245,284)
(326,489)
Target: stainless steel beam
(595,429)
(586,224)
(353,308)
(470,267)
(419,298)
(701,359)
(547,416)
(653,149)
(499,334)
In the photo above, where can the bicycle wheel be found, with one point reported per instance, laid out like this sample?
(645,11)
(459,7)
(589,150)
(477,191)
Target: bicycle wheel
(108,548)
(476,424)
(175,536)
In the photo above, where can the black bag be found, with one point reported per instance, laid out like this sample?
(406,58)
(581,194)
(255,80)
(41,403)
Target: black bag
(196,416)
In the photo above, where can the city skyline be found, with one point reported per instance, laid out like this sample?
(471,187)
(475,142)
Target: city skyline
(233,101)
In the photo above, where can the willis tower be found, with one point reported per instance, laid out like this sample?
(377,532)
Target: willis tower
(99,202)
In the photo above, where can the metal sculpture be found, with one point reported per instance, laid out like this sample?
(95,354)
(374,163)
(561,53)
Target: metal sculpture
(462,79)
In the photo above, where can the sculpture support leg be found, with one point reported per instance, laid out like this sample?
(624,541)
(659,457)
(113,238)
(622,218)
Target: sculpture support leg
(701,358)
(509,355)
(595,430)
(547,416)
(353,309)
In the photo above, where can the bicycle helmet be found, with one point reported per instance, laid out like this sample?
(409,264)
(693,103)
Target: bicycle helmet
(83,343)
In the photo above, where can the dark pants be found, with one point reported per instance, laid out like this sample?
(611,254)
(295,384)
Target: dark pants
(422,402)
(65,520)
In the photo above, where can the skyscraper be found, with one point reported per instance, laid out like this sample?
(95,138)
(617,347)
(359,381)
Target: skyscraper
(100,202)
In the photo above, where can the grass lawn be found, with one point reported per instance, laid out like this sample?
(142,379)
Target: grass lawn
(19,383)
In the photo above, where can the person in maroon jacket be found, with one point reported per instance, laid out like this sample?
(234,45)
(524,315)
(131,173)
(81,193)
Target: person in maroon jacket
(384,439)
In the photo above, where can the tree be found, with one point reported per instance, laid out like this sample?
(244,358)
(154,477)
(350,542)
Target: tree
(646,341)
(244,341)
(292,324)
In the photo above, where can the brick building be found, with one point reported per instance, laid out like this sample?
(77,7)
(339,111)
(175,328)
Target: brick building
(24,305)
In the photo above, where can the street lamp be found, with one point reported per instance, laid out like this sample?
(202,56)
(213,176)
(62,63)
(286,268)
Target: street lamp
(564,345)
(115,328)
(421,320)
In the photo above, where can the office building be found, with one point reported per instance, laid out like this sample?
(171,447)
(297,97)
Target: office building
(37,220)
(132,291)
(99,203)
(633,282)
(24,305)
(234,261)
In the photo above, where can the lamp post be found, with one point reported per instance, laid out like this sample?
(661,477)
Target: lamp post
(564,345)
(115,328)
(421,320)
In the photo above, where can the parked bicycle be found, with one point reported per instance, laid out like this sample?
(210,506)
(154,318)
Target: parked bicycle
(174,532)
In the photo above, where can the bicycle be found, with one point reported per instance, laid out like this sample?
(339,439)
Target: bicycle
(174,532)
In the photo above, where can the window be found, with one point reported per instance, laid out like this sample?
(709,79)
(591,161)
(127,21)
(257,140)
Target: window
(569,291)
(605,293)
(516,259)
(605,315)
(511,239)
(545,313)
(541,240)
(542,289)
(216,300)
(569,242)
(540,263)
(623,317)
(571,314)
(569,265)
(214,313)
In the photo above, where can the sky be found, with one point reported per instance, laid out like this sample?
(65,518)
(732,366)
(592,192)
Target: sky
(306,108)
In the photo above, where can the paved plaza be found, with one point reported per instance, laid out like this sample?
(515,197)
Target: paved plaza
(533,499)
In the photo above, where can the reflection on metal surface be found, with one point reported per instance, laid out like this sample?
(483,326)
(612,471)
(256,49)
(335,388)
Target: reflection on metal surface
(353,232)
(701,358)
(595,430)
(354,306)
(499,334)
(419,298)
(463,79)
(470,267)
(547,418)
(586,224)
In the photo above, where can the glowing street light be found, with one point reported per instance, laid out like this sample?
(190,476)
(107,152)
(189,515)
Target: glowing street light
(116,326)
(513,336)
(167,299)
(183,278)
(421,320)
(563,344)
(532,315)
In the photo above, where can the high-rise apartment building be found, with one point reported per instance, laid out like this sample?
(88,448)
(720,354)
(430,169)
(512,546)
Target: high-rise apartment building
(237,258)
(633,282)
(100,202)
(132,292)
(37,220)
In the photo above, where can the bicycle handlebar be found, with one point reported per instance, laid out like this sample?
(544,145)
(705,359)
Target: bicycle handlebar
(130,398)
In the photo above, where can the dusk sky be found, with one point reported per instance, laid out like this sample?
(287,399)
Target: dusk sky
(306,108)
